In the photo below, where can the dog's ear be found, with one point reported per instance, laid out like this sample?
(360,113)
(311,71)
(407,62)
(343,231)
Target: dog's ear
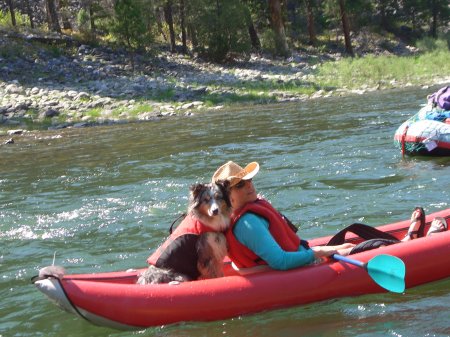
(224,188)
(195,189)
(194,192)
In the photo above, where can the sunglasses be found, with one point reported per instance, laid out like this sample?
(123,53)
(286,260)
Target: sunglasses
(242,183)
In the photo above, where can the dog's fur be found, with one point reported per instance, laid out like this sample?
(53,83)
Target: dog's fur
(208,203)
(211,249)
(155,275)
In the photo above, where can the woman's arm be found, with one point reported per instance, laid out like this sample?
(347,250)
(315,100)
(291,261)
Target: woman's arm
(253,231)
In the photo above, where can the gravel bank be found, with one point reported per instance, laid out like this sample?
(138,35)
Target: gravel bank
(85,86)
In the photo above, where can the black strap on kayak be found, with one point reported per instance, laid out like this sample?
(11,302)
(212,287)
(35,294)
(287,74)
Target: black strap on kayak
(173,223)
(363,231)
(374,238)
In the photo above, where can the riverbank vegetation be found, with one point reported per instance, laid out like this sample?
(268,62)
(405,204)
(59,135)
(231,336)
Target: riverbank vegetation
(385,71)
(93,61)
(223,29)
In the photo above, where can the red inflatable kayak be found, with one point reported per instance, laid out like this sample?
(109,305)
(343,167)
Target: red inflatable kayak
(115,300)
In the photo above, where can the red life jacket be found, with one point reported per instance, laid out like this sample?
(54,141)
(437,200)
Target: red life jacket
(179,251)
(278,227)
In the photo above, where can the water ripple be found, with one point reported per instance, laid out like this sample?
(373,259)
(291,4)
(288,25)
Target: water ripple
(104,198)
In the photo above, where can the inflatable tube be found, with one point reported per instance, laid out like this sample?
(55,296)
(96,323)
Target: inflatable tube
(424,137)
(425,133)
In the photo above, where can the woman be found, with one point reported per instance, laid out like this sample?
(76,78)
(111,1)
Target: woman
(259,234)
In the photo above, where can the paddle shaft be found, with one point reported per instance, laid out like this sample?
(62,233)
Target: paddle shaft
(351,261)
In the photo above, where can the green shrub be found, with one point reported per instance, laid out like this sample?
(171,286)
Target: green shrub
(83,21)
(268,42)
(221,29)
(5,19)
(93,113)
(139,109)
(21,20)
(426,44)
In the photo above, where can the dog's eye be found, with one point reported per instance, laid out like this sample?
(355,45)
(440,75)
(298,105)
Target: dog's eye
(218,196)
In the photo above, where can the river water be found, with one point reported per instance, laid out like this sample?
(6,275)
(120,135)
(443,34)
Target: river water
(102,198)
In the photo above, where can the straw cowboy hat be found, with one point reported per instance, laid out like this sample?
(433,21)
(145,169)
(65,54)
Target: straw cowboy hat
(233,173)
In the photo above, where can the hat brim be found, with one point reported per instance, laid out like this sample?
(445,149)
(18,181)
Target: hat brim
(246,174)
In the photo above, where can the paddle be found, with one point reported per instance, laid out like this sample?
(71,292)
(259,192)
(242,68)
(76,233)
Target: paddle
(386,270)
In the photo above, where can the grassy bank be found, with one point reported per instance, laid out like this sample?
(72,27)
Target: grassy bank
(369,72)
(359,73)
(384,71)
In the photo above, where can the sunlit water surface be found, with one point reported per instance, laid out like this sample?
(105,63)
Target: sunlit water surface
(103,198)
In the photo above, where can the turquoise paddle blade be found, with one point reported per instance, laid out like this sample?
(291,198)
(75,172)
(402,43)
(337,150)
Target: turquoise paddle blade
(388,272)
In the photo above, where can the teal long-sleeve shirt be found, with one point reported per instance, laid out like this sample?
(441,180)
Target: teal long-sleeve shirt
(253,231)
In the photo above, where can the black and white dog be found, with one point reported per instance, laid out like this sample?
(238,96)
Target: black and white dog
(196,249)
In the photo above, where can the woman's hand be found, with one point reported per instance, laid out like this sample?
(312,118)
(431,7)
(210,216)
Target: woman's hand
(345,249)
(321,251)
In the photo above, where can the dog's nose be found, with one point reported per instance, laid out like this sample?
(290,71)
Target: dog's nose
(213,210)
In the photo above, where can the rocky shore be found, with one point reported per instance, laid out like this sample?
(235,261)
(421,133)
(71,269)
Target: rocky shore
(97,85)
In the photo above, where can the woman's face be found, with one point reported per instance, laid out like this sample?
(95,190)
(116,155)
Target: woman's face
(242,193)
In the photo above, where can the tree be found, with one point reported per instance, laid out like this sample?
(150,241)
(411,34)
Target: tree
(385,10)
(29,13)
(256,44)
(169,20)
(276,20)
(439,12)
(413,13)
(65,14)
(252,14)
(310,20)
(219,28)
(183,26)
(130,26)
(345,27)
(11,12)
(92,19)
(97,12)
(52,16)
